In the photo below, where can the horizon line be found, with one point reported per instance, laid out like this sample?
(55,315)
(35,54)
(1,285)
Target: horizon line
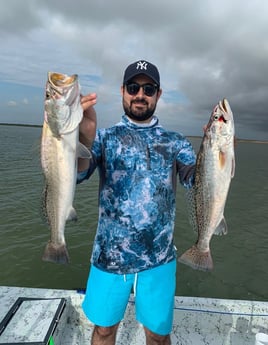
(189,136)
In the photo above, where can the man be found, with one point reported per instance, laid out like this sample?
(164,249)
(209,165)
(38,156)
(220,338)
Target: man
(138,163)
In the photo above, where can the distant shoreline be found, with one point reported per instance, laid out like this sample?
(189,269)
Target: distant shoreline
(189,136)
(19,125)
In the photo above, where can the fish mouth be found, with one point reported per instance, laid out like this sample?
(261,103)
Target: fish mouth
(61,80)
(225,110)
(223,104)
(222,118)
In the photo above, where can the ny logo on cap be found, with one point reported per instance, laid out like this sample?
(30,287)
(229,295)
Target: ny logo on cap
(142,65)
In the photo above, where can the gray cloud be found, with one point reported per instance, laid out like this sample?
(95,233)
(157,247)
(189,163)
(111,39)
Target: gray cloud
(205,51)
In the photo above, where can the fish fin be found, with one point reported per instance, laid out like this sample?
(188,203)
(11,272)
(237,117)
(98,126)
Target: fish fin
(233,168)
(222,158)
(83,151)
(72,215)
(196,259)
(56,253)
(222,228)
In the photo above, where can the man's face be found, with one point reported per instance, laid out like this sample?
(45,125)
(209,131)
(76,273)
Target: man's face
(140,107)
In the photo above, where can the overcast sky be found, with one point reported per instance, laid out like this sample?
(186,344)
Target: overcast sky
(205,50)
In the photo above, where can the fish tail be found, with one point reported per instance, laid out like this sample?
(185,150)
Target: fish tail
(56,253)
(196,259)
(222,228)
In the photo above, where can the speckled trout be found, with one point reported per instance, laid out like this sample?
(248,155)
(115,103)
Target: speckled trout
(59,151)
(215,168)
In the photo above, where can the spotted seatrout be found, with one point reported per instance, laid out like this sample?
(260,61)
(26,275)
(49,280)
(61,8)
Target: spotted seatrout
(214,170)
(59,151)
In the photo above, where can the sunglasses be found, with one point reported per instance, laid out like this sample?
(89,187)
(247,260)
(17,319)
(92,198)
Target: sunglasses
(148,89)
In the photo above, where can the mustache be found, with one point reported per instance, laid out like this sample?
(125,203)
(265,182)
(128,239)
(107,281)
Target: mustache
(139,101)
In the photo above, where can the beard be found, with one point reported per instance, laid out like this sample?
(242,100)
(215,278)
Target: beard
(139,114)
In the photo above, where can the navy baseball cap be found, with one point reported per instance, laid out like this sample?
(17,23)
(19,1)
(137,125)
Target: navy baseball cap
(142,67)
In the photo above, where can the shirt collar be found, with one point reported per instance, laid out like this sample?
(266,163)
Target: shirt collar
(127,121)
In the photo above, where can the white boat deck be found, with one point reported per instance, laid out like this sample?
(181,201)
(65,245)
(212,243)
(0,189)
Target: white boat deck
(197,321)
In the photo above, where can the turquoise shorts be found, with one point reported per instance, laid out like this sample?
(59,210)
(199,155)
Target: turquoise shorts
(107,296)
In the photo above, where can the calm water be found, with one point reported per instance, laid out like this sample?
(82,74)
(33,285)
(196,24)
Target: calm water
(240,258)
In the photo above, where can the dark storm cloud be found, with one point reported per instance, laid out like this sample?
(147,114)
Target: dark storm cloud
(205,50)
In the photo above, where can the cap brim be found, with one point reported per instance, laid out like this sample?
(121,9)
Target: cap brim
(140,73)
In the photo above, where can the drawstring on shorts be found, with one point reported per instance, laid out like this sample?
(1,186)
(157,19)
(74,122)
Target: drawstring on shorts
(134,284)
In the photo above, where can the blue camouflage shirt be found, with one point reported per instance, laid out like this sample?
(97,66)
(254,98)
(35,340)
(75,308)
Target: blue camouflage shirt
(138,167)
